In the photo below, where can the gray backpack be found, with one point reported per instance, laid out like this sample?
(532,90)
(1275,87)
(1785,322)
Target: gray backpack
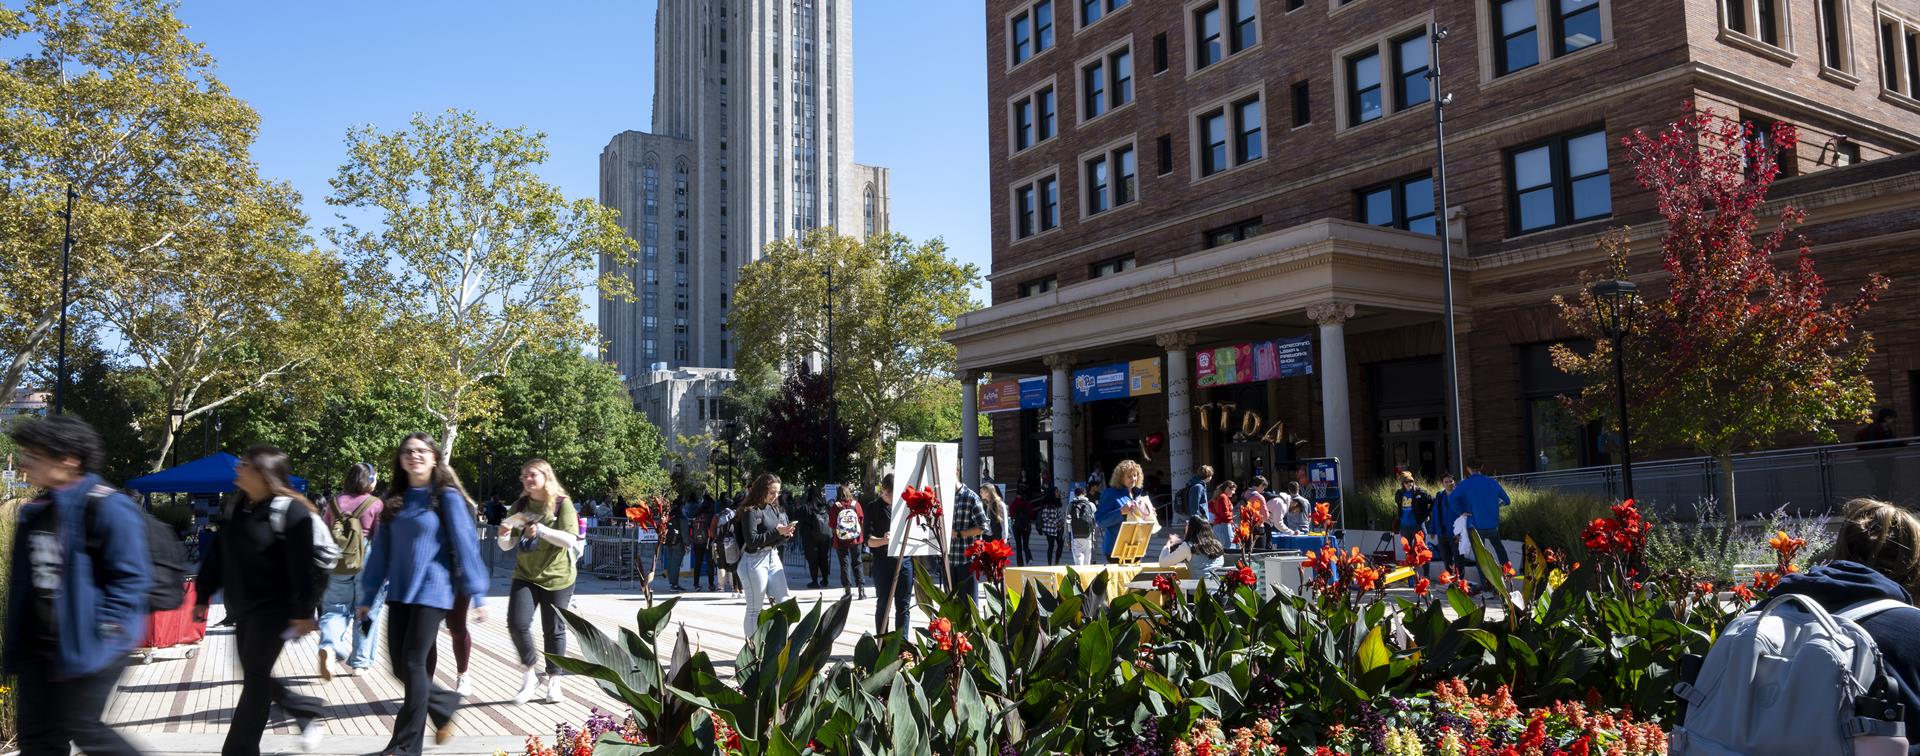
(1791,679)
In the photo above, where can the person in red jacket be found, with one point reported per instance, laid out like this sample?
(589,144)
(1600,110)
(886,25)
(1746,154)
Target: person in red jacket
(848,522)
(1220,511)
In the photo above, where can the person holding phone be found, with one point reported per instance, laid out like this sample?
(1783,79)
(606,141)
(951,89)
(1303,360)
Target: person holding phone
(425,553)
(762,528)
(265,564)
(541,535)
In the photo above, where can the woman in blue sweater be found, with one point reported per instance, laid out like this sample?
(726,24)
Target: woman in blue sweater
(425,553)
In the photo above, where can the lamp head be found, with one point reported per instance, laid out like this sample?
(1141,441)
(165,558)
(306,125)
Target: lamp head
(1615,300)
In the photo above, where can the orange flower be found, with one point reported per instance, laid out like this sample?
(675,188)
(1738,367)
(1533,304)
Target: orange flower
(1420,588)
(1322,515)
(1417,553)
(1745,594)
(1786,545)
(1506,569)
(1766,581)
(1446,577)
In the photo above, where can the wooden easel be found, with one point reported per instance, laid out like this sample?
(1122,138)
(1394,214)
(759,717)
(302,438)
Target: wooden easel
(1131,546)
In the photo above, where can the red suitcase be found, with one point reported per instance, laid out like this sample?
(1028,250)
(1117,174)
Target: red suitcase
(173,627)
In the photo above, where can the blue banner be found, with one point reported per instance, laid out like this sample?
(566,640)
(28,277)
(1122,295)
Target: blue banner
(1033,392)
(1097,383)
(1296,356)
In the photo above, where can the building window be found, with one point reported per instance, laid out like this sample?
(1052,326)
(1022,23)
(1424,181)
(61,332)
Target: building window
(1846,153)
(1561,181)
(1023,124)
(1160,53)
(1032,118)
(1107,83)
(1223,28)
(1036,207)
(1213,143)
(1247,123)
(1093,85)
(1410,61)
(1302,105)
(1519,25)
(1039,286)
(1900,57)
(1165,148)
(1762,20)
(1246,23)
(1094,10)
(1043,104)
(1230,135)
(1576,25)
(1836,43)
(1363,88)
(723,349)
(1119,264)
(1759,139)
(1208,45)
(1371,92)
(1518,41)
(1030,31)
(1111,179)
(1049,203)
(1023,210)
(1404,204)
(1232,232)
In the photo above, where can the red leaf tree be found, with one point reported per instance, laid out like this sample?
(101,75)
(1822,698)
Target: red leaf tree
(1742,347)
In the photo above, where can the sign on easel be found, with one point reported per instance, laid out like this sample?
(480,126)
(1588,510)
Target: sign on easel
(917,464)
(1131,546)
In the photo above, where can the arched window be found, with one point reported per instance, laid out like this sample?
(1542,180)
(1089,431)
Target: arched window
(871,209)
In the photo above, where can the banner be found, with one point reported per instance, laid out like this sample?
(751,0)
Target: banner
(998,396)
(1296,356)
(1143,377)
(1033,392)
(1098,383)
(1256,361)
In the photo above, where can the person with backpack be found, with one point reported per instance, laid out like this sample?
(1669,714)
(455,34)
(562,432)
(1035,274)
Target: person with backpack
(813,516)
(673,540)
(1846,631)
(351,518)
(1416,506)
(849,520)
(892,575)
(1220,511)
(725,544)
(426,553)
(273,570)
(700,511)
(78,591)
(1193,498)
(1081,524)
(1051,514)
(759,529)
(541,533)
(1022,511)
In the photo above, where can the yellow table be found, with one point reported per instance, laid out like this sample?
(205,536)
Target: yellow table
(1118,575)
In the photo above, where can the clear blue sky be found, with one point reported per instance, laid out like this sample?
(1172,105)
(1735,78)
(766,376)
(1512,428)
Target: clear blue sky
(581,72)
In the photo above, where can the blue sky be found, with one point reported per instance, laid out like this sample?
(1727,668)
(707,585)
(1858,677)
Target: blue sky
(581,72)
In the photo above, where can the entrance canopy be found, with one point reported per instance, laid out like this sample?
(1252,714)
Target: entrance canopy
(206,475)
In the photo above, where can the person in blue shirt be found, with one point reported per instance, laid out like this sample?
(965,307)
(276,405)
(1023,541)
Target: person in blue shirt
(77,593)
(1482,497)
(425,553)
(1440,537)
(1193,502)
(1116,502)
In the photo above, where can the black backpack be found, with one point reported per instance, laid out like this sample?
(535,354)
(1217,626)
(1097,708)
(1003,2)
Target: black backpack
(167,588)
(1081,518)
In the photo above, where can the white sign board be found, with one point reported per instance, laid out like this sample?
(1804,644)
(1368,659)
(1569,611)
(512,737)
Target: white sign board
(917,464)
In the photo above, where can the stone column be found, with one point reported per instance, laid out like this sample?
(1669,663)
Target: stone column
(969,429)
(1059,381)
(1179,405)
(1336,409)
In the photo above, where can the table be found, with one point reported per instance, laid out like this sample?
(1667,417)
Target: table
(1118,575)
(1304,543)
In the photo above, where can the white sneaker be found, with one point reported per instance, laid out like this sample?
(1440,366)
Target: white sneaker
(311,734)
(529,686)
(553,689)
(461,686)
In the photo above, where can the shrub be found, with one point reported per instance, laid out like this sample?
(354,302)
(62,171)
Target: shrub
(8,517)
(1709,549)
(1551,517)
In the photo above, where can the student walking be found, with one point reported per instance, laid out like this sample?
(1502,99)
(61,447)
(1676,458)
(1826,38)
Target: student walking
(76,593)
(849,538)
(700,510)
(892,575)
(351,518)
(265,566)
(1051,514)
(1081,524)
(1022,510)
(1482,498)
(1220,511)
(816,535)
(1193,498)
(673,540)
(761,530)
(426,554)
(541,533)
(462,642)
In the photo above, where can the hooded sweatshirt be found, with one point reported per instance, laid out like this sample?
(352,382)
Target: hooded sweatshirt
(1897,631)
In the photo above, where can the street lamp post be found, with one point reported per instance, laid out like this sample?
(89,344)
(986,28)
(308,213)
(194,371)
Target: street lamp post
(1616,301)
(733,462)
(66,285)
(1457,448)
(833,406)
(176,417)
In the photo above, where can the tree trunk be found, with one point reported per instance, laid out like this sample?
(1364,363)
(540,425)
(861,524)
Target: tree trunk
(1725,462)
(449,432)
(166,445)
(35,339)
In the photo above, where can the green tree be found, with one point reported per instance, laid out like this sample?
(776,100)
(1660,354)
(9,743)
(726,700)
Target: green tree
(892,300)
(359,415)
(573,411)
(473,257)
(1740,350)
(110,98)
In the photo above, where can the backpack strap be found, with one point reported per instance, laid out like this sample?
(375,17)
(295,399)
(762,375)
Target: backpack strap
(87,519)
(277,515)
(1866,609)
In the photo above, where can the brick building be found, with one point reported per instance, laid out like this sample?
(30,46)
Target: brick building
(1171,179)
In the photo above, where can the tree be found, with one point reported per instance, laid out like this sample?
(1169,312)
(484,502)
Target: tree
(573,411)
(358,414)
(792,439)
(475,257)
(892,301)
(111,99)
(1740,350)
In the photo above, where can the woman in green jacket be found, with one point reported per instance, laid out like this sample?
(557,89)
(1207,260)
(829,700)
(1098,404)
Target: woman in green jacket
(543,531)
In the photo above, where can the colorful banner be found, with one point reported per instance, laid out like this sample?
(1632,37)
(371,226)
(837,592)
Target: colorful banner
(1033,392)
(1143,377)
(1257,361)
(998,396)
(1098,383)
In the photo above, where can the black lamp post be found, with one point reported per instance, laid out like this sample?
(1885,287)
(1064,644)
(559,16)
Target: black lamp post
(66,284)
(733,462)
(1615,302)
(175,418)
(1456,446)
(833,407)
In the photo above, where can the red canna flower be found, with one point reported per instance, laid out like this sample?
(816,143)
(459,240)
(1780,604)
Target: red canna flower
(987,559)
(941,630)
(1322,515)
(1766,581)
(1420,588)
(1245,576)
(1164,584)
(1416,551)
(1744,593)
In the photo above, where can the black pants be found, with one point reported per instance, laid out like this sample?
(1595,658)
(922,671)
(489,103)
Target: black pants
(819,565)
(56,716)
(1056,548)
(849,558)
(259,642)
(702,557)
(520,607)
(1022,530)
(412,630)
(900,593)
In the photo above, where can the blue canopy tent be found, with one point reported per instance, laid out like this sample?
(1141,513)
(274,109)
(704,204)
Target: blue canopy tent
(206,475)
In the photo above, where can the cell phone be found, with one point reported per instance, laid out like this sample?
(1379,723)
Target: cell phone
(366,625)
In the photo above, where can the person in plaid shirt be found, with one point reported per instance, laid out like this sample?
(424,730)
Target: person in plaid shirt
(969,522)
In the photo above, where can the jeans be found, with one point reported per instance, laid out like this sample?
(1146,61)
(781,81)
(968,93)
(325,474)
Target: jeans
(259,642)
(337,622)
(762,577)
(1223,533)
(520,604)
(56,716)
(900,592)
(1082,551)
(1056,548)
(1492,539)
(1022,530)
(673,555)
(412,630)
(849,558)
(819,564)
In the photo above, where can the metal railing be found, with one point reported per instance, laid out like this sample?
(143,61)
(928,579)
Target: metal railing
(1806,480)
